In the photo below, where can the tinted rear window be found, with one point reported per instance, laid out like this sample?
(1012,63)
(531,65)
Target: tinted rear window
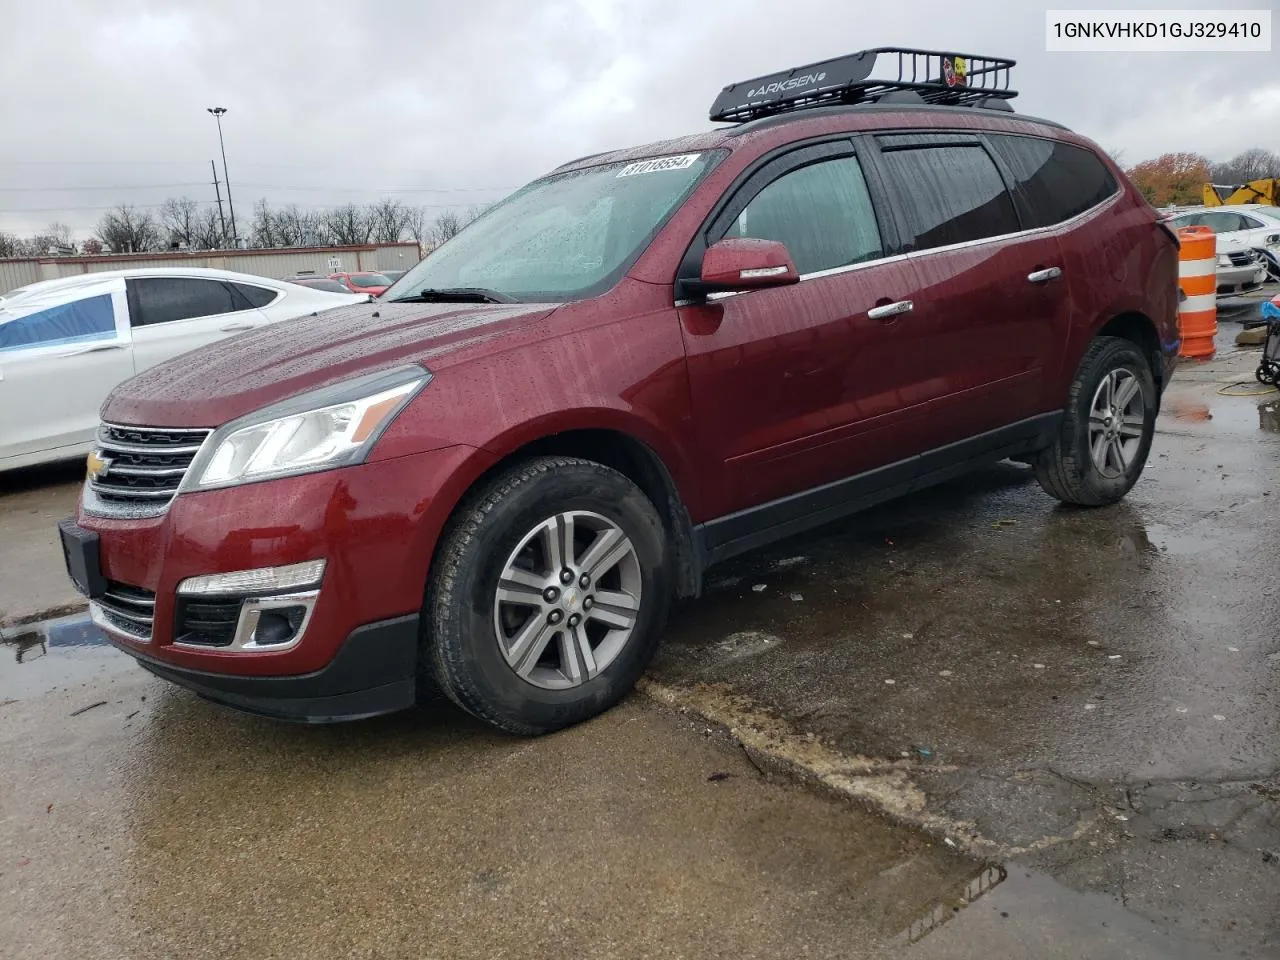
(166,299)
(1057,180)
(951,194)
(255,296)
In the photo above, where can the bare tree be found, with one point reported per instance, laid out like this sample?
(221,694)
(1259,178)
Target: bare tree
(349,225)
(446,226)
(206,230)
(289,226)
(264,230)
(390,220)
(419,225)
(53,239)
(178,216)
(10,246)
(129,230)
(91,247)
(1254,164)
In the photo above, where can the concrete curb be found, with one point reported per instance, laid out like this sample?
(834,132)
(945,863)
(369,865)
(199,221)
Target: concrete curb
(885,786)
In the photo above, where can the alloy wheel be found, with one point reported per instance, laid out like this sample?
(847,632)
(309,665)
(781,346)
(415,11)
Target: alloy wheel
(567,600)
(1117,421)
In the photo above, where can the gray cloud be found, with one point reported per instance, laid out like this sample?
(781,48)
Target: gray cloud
(430,102)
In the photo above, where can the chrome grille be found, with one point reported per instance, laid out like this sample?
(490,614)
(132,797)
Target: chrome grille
(145,465)
(1242,258)
(128,610)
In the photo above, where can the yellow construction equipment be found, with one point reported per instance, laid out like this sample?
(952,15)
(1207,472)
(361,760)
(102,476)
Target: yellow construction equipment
(1266,190)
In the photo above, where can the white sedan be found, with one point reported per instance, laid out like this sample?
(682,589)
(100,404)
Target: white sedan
(66,343)
(1240,228)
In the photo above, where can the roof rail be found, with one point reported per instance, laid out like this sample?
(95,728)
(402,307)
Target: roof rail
(937,77)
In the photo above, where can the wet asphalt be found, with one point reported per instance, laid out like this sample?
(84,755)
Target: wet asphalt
(970,723)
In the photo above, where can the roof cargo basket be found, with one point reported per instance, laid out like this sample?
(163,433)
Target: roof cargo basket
(934,76)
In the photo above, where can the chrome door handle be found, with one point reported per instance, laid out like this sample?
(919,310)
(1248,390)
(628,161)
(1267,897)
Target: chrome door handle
(1044,276)
(890,310)
(100,348)
(236,327)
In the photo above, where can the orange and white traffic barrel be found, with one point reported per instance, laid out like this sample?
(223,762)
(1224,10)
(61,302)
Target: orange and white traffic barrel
(1198,278)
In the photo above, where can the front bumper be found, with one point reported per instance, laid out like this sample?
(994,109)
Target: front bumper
(1236,280)
(374,672)
(375,525)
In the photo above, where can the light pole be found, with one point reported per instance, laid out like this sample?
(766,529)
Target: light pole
(217,115)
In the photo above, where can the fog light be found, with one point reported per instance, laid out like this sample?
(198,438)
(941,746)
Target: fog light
(278,626)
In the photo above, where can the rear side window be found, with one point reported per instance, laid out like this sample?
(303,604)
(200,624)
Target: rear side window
(253,296)
(822,213)
(951,195)
(82,320)
(1058,180)
(166,299)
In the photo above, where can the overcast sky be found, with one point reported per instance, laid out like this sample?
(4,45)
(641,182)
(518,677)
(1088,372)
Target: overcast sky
(452,103)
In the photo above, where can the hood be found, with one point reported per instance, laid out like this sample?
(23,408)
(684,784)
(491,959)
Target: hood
(217,383)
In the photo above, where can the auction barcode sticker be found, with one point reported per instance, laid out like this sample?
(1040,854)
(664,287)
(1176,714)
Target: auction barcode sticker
(659,163)
(1158,31)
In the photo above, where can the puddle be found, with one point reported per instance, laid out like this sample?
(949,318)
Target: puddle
(1230,413)
(1003,910)
(943,912)
(38,658)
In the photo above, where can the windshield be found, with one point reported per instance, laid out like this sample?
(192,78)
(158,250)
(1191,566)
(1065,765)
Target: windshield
(565,237)
(369,280)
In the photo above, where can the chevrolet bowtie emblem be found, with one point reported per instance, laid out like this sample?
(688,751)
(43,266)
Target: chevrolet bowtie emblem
(98,465)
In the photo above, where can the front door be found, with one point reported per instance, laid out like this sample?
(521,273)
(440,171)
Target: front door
(794,387)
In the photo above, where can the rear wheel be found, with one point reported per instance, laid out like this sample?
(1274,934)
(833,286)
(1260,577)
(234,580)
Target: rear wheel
(548,596)
(1107,427)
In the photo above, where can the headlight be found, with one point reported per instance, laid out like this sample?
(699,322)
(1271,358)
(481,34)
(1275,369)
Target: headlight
(335,426)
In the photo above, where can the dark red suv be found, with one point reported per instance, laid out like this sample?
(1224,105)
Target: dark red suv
(493,479)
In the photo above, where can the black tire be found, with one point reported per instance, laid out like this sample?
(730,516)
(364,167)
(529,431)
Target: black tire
(460,651)
(1066,469)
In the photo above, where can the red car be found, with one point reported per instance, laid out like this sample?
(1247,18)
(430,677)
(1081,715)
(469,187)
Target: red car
(374,283)
(639,365)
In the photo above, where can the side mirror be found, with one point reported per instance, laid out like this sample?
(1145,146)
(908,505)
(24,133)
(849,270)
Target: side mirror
(740,263)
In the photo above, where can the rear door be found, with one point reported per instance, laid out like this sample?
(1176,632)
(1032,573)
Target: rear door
(58,362)
(172,315)
(794,387)
(990,293)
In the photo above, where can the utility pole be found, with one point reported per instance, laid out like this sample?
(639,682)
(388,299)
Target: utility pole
(217,115)
(218,193)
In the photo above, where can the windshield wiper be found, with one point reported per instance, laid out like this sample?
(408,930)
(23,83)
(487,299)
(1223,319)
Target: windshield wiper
(456,295)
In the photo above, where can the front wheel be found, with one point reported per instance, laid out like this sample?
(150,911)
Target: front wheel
(548,596)
(1107,427)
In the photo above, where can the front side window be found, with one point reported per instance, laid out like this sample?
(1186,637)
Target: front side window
(81,320)
(822,213)
(1058,180)
(166,299)
(565,237)
(951,195)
